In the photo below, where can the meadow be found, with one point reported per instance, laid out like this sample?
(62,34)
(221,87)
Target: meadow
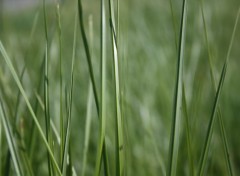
(116,87)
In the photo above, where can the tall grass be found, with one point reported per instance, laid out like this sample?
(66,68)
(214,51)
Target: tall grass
(138,68)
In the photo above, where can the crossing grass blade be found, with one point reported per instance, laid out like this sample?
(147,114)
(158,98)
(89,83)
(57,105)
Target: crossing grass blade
(15,76)
(10,139)
(219,114)
(90,68)
(119,130)
(175,131)
(204,155)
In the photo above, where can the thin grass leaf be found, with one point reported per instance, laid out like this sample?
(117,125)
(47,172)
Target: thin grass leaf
(119,130)
(87,128)
(61,80)
(14,74)
(103,90)
(184,103)
(10,139)
(90,68)
(68,130)
(175,131)
(46,93)
(219,114)
(204,155)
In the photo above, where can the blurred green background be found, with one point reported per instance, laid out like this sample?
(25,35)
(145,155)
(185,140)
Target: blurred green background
(148,58)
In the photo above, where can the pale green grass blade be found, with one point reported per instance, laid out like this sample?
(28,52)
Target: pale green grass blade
(103,91)
(10,139)
(61,80)
(219,114)
(46,90)
(175,131)
(87,51)
(68,130)
(87,129)
(119,130)
(204,155)
(14,74)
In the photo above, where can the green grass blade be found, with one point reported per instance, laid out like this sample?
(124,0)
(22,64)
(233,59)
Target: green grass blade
(204,155)
(219,114)
(87,128)
(119,130)
(10,139)
(103,91)
(46,91)
(87,51)
(175,131)
(60,77)
(14,74)
(67,136)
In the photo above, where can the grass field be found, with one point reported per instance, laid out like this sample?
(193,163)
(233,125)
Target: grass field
(115,87)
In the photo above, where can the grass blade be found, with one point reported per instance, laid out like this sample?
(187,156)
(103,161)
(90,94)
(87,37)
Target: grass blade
(90,68)
(60,77)
(204,155)
(219,114)
(87,128)
(14,74)
(119,130)
(10,139)
(174,138)
(67,136)
(103,90)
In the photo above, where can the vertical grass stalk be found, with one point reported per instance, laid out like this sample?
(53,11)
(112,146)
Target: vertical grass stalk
(175,130)
(119,130)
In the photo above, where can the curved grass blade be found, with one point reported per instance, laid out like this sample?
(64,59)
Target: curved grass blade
(119,130)
(10,139)
(204,155)
(219,114)
(175,131)
(87,51)
(14,74)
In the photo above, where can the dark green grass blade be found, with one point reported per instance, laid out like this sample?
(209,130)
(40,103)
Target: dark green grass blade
(174,138)
(219,114)
(204,155)
(14,74)
(184,103)
(103,91)
(80,11)
(119,130)
(10,139)
(67,136)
